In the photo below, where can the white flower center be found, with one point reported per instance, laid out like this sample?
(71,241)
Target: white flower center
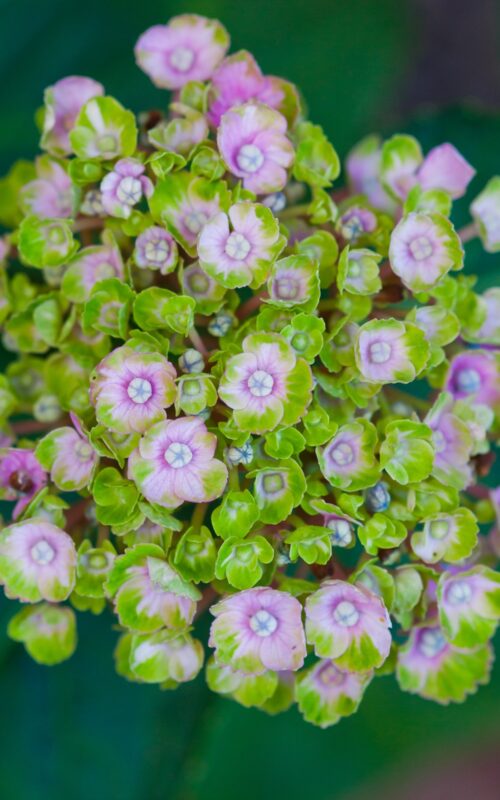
(181,59)
(421,248)
(341,532)
(468,380)
(194,221)
(431,643)
(83,451)
(178,455)
(260,383)
(237,246)
(439,528)
(458,593)
(129,191)
(263,623)
(250,158)
(342,454)
(139,390)
(379,352)
(43,553)
(157,251)
(346,614)
(287,288)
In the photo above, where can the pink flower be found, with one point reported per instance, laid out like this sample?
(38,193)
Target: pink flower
(124,187)
(88,267)
(189,48)
(445,168)
(37,560)
(50,194)
(174,463)
(155,248)
(257,630)
(253,143)
(63,102)
(21,477)
(130,390)
(475,375)
(69,456)
(237,80)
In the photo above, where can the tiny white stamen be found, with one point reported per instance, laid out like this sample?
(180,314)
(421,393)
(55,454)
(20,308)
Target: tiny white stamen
(181,59)
(43,553)
(260,383)
(178,455)
(468,380)
(341,532)
(263,623)
(157,251)
(194,221)
(421,248)
(83,451)
(287,288)
(139,390)
(250,158)
(431,643)
(439,528)
(342,454)
(379,352)
(458,593)
(129,191)
(346,614)
(237,247)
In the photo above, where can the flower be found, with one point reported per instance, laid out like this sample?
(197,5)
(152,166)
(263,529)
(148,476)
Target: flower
(63,102)
(237,80)
(348,624)
(130,390)
(390,351)
(242,254)
(258,629)
(124,187)
(363,173)
(485,211)
(348,460)
(452,443)
(423,249)
(475,375)
(103,130)
(451,537)
(21,477)
(90,266)
(326,693)
(50,194)
(469,605)
(174,463)
(148,594)
(266,384)
(155,248)
(189,48)
(489,332)
(165,658)
(445,168)
(294,281)
(37,561)
(47,631)
(209,294)
(429,666)
(252,141)
(355,222)
(69,456)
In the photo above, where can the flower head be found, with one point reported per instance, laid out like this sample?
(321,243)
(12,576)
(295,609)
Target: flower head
(258,629)
(69,456)
(266,384)
(347,460)
(50,195)
(156,249)
(130,390)
(237,80)
(63,102)
(189,48)
(21,477)
(238,248)
(424,248)
(469,605)
(486,212)
(174,463)
(451,537)
(253,143)
(37,561)
(432,668)
(90,266)
(475,375)
(348,624)
(452,444)
(390,351)
(445,168)
(326,693)
(124,187)
(166,658)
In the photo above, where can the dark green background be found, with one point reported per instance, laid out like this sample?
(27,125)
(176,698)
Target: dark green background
(78,731)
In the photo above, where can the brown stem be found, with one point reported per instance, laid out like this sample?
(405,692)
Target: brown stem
(88,224)
(33,426)
(251,305)
(468,232)
(198,342)
(209,595)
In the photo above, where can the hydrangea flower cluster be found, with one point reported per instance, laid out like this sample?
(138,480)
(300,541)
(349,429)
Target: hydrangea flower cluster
(210,399)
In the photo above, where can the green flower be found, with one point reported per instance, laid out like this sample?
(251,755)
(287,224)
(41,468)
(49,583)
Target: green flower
(407,453)
(305,334)
(326,693)
(240,560)
(348,460)
(165,658)
(469,605)
(316,161)
(294,281)
(311,543)
(104,130)
(47,631)
(449,537)
(195,555)
(46,242)
(236,515)
(358,271)
(381,532)
(93,567)
(278,490)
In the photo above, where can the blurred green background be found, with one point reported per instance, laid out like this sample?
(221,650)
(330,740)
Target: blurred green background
(77,731)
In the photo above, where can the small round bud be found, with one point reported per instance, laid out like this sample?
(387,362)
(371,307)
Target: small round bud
(191,361)
(377,498)
(240,455)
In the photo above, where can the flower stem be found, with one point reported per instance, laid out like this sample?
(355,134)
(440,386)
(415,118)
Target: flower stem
(468,232)
(198,342)
(199,515)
